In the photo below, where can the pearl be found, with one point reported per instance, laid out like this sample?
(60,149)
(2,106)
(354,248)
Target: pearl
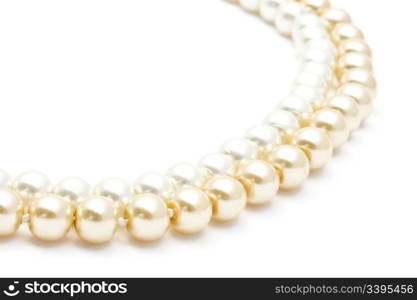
(186,174)
(268,9)
(147,216)
(304,35)
(307,20)
(322,70)
(292,164)
(239,149)
(250,5)
(302,109)
(322,44)
(11,211)
(334,16)
(31,185)
(193,210)
(354,45)
(319,56)
(345,31)
(334,123)
(362,96)
(228,196)
(260,180)
(96,219)
(361,76)
(348,107)
(154,183)
(311,80)
(353,60)
(286,15)
(51,217)
(316,144)
(5,180)
(318,6)
(283,120)
(218,164)
(116,189)
(265,137)
(73,189)
(313,96)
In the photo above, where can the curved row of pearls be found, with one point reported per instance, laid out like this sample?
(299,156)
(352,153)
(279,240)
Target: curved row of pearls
(330,97)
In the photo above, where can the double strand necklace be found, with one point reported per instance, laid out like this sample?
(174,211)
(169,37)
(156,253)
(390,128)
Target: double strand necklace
(329,98)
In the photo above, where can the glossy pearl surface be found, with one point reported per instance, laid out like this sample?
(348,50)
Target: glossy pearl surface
(154,183)
(334,123)
(116,189)
(348,107)
(218,164)
(74,189)
(31,185)
(11,211)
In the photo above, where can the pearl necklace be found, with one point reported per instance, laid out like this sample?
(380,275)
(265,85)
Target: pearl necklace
(330,97)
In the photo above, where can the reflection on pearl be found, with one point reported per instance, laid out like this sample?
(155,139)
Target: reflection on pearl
(316,144)
(51,217)
(11,211)
(265,137)
(292,164)
(193,210)
(283,120)
(5,180)
(147,216)
(286,15)
(116,189)
(239,149)
(268,9)
(318,6)
(354,46)
(260,180)
(73,188)
(361,76)
(218,164)
(348,107)
(96,219)
(362,96)
(334,123)
(334,16)
(250,5)
(31,185)
(154,183)
(345,31)
(186,174)
(353,60)
(228,196)
(313,96)
(302,109)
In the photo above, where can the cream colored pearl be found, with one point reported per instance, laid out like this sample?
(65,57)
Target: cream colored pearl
(218,164)
(193,210)
(334,16)
(318,6)
(323,44)
(362,96)
(283,120)
(96,219)
(361,76)
(322,70)
(239,149)
(186,174)
(147,216)
(348,107)
(51,217)
(228,196)
(11,211)
(334,123)
(319,56)
(304,35)
(354,45)
(31,185)
(116,189)
(301,108)
(250,5)
(313,96)
(268,9)
(264,136)
(154,183)
(311,80)
(74,189)
(307,20)
(286,15)
(345,31)
(5,180)
(292,165)
(260,180)
(353,60)
(316,144)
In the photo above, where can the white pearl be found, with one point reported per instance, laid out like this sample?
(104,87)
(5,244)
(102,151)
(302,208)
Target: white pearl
(250,5)
(268,9)
(4,179)
(302,36)
(314,96)
(154,183)
(324,45)
(319,56)
(311,80)
(298,106)
(116,189)
(265,136)
(147,217)
(218,164)
(308,20)
(11,211)
(187,174)
(286,16)
(239,149)
(260,180)
(283,120)
(51,217)
(31,185)
(73,188)
(322,70)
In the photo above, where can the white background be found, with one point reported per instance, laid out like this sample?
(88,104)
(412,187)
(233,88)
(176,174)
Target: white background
(100,88)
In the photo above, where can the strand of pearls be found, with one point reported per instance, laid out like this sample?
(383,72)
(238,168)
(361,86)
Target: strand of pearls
(330,97)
